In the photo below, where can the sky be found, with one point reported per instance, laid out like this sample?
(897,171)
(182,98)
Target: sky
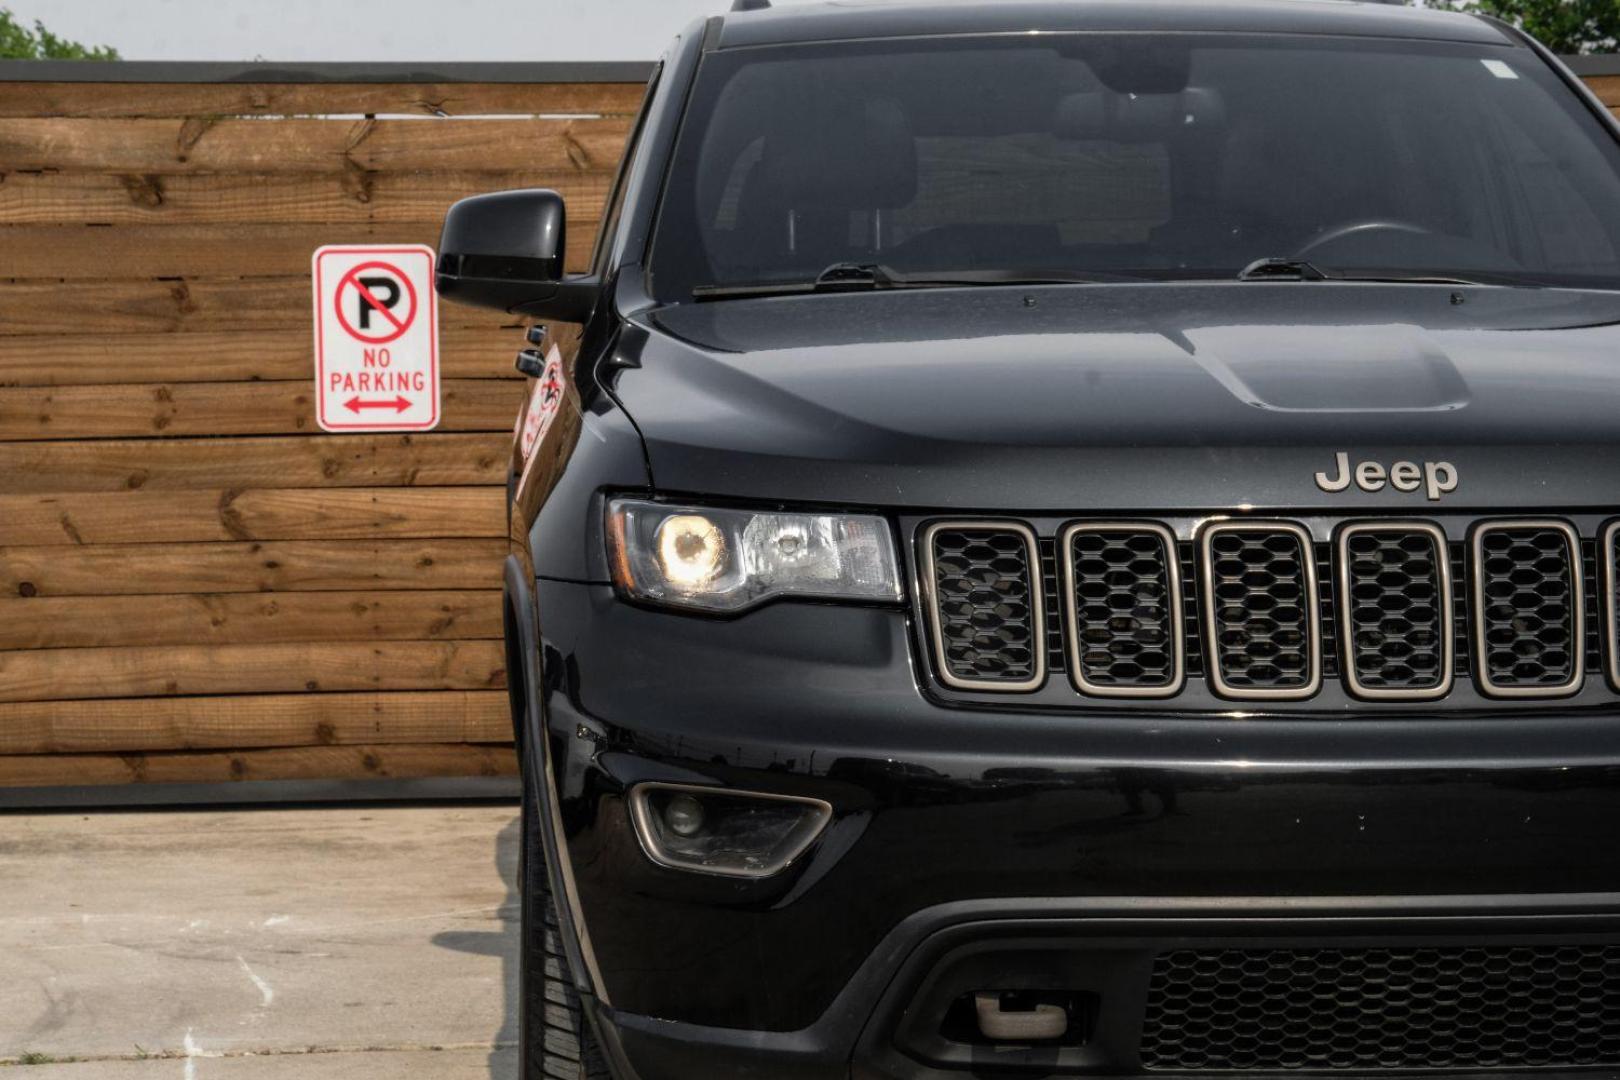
(371,29)
(391,30)
(358,30)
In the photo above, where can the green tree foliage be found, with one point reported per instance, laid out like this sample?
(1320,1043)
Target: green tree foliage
(1564,26)
(17,42)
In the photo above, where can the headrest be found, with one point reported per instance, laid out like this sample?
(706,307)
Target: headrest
(844,152)
(1104,116)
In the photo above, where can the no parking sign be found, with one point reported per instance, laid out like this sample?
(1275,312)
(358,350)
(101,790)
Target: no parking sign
(376,338)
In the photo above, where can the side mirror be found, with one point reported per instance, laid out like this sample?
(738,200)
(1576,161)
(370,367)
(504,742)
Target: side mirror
(506,251)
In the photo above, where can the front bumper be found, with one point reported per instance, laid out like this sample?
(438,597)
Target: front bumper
(943,814)
(871,1031)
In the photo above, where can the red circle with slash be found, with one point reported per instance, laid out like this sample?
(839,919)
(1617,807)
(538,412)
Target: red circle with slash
(396,326)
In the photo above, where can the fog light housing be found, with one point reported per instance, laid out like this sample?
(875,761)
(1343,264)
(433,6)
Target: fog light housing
(740,834)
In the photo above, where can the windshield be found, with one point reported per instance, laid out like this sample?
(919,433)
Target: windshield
(1159,157)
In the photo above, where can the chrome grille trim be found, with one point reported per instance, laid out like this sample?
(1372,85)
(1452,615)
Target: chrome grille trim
(1312,605)
(1520,637)
(929,590)
(1608,603)
(1447,623)
(1477,603)
(1071,616)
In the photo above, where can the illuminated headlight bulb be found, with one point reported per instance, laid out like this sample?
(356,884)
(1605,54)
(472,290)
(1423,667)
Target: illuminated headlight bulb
(684,816)
(691,549)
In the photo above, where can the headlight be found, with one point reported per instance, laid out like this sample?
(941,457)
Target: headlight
(727,560)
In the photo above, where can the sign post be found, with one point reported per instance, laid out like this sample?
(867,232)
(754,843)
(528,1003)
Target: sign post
(376,338)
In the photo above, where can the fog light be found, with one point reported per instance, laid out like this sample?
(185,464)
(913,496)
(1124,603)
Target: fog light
(730,833)
(684,816)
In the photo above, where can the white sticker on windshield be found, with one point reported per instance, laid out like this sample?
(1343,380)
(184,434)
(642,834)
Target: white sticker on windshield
(1500,69)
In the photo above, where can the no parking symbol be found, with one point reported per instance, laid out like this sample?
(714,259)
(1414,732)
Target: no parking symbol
(376,339)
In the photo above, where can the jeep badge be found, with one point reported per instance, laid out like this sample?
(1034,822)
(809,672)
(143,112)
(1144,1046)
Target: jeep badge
(1437,478)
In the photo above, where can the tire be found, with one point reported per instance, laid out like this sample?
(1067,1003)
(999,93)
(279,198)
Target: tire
(555,1041)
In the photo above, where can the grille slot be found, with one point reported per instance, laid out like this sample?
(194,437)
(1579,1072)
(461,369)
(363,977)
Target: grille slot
(1440,1007)
(1052,597)
(1529,602)
(1262,610)
(1329,595)
(1608,578)
(1591,577)
(1189,603)
(987,610)
(1462,667)
(1123,609)
(1395,607)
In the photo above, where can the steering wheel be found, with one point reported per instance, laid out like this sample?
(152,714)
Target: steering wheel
(1358,228)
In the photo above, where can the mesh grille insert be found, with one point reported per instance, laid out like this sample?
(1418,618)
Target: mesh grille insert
(1261,602)
(1397,610)
(1528,604)
(1445,1007)
(1124,621)
(988,609)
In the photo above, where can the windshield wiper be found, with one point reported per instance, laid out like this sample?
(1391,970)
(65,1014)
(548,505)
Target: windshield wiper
(1017,277)
(849,275)
(1399,277)
(839,277)
(1279,269)
(1275,269)
(867,277)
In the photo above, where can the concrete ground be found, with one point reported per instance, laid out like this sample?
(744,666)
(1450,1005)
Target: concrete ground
(362,943)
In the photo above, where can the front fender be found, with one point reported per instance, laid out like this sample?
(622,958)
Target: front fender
(524,691)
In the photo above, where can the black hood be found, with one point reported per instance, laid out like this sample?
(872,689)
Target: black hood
(1126,397)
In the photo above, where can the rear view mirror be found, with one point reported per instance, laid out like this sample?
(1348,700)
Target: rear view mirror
(506,251)
(1146,65)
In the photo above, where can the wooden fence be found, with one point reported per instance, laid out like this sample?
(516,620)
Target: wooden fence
(196,583)
(1602,74)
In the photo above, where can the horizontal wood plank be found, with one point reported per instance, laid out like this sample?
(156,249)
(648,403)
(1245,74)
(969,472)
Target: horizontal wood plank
(305,763)
(151,251)
(245,722)
(325,146)
(62,674)
(253,514)
(97,622)
(247,307)
(254,567)
(190,409)
(347,199)
(1607,88)
(314,461)
(77,252)
(221,356)
(84,99)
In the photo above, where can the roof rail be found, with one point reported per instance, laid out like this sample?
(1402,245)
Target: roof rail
(750,5)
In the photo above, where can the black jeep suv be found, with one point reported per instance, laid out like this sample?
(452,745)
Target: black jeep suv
(1073,538)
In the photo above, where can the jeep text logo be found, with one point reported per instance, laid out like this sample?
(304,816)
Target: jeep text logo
(1435,477)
